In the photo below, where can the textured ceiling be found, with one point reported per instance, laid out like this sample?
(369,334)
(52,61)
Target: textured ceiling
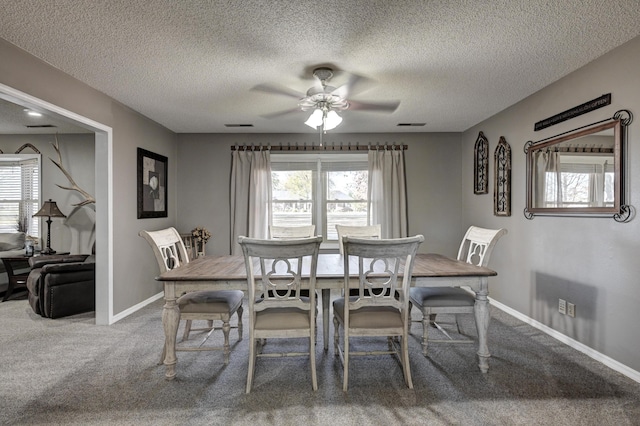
(14,120)
(191,64)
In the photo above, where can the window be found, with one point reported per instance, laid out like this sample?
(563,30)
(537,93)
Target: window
(320,189)
(582,185)
(19,195)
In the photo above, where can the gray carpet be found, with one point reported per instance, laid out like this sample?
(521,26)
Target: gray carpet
(72,372)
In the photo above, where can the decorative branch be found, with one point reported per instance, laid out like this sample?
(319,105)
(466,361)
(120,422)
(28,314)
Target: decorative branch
(74,186)
(27,145)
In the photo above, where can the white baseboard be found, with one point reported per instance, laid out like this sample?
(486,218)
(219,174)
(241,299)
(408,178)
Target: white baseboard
(609,362)
(134,308)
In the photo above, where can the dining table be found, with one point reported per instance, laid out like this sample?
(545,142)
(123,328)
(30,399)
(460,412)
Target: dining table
(229,273)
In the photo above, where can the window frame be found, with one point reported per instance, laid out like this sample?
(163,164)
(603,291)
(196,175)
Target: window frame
(23,160)
(320,164)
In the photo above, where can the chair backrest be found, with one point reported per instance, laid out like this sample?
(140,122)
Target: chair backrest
(168,248)
(288,232)
(369,231)
(282,265)
(380,264)
(478,243)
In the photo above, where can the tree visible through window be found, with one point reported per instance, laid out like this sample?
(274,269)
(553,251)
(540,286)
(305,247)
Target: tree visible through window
(292,197)
(581,185)
(346,203)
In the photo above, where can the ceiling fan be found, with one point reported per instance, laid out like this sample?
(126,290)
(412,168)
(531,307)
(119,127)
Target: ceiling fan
(326,100)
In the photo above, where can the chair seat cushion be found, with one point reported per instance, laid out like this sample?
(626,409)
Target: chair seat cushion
(368,316)
(282,319)
(214,302)
(441,296)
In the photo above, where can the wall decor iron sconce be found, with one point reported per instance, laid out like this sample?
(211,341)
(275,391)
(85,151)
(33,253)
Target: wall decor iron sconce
(481,165)
(502,179)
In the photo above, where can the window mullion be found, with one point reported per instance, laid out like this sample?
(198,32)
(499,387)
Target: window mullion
(318,197)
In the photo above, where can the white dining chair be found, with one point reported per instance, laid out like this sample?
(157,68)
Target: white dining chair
(476,248)
(381,306)
(366,231)
(289,232)
(276,270)
(285,232)
(214,305)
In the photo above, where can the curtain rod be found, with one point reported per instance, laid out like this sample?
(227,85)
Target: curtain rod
(296,147)
(581,149)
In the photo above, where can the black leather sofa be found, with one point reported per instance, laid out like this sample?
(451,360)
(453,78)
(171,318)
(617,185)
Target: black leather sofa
(62,285)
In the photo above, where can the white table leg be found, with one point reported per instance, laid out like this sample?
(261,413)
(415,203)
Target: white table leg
(481,310)
(326,293)
(170,323)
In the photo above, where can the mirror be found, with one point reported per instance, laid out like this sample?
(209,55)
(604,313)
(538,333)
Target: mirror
(578,172)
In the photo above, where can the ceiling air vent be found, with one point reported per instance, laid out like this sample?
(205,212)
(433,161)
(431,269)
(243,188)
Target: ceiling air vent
(238,125)
(411,124)
(40,126)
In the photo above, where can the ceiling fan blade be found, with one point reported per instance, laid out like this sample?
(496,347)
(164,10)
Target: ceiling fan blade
(354,85)
(281,113)
(278,90)
(376,107)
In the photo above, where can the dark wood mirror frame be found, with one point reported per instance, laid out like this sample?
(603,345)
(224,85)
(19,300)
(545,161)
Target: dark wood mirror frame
(568,141)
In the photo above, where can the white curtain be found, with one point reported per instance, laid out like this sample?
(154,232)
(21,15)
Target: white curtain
(387,192)
(548,191)
(596,186)
(250,195)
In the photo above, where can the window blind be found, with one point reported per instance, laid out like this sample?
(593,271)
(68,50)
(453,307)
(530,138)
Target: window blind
(19,195)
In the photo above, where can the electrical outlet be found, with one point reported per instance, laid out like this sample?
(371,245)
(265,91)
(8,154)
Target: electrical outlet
(562,306)
(571,310)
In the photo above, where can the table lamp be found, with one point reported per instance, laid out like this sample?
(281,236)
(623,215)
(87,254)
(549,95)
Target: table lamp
(49,209)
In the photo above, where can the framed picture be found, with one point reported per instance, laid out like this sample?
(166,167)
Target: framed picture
(152,184)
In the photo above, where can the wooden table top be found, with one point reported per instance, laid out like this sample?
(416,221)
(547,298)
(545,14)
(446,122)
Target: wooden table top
(218,268)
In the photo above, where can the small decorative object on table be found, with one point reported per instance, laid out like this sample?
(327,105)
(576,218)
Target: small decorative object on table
(200,237)
(29,249)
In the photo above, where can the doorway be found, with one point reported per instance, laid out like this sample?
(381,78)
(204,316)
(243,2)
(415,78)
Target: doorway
(103,192)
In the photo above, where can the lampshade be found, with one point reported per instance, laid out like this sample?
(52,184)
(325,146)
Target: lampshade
(332,120)
(50,209)
(315,119)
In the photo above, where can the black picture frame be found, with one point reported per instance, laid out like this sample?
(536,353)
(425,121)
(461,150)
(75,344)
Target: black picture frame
(152,184)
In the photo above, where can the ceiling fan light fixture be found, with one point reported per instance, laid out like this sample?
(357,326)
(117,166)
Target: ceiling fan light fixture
(325,100)
(315,119)
(32,113)
(332,121)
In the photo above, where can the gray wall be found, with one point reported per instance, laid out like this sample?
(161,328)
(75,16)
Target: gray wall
(78,153)
(432,168)
(592,262)
(134,265)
